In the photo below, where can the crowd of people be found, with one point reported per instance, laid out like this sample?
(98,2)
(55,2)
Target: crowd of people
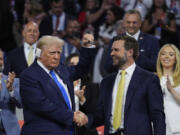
(74,65)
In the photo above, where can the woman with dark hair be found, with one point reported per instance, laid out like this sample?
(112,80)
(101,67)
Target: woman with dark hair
(161,23)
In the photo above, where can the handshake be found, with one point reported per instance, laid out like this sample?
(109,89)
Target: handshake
(80,118)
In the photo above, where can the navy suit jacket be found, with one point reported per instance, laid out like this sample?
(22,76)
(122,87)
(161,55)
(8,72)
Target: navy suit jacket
(143,105)
(45,110)
(16,61)
(148,51)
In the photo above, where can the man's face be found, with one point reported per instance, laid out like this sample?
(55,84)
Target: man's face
(57,8)
(119,54)
(1,60)
(72,26)
(31,33)
(132,23)
(50,56)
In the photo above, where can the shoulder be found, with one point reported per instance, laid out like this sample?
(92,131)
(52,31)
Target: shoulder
(109,78)
(16,51)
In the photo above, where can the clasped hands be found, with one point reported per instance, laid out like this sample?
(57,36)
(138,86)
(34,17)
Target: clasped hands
(80,118)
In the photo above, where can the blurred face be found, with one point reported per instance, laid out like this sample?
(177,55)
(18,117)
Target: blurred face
(87,38)
(72,26)
(119,54)
(74,60)
(50,56)
(132,23)
(1,60)
(159,3)
(57,8)
(168,57)
(31,33)
(110,17)
(90,4)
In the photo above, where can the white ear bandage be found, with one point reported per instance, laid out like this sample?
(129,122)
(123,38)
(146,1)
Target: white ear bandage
(38,52)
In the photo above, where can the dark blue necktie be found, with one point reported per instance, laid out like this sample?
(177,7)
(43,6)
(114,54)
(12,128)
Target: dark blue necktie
(62,89)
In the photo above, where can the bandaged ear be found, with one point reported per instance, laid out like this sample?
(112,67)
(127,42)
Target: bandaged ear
(38,52)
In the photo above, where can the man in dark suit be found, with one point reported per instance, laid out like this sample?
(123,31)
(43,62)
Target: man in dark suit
(55,23)
(47,91)
(148,45)
(20,58)
(131,101)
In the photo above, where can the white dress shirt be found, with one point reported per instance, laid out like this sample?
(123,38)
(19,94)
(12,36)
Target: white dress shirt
(58,78)
(135,36)
(128,76)
(27,49)
(61,26)
(171,108)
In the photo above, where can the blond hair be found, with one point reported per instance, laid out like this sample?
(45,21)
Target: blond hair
(49,40)
(176,69)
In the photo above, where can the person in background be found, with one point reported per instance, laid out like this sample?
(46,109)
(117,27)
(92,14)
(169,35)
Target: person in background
(9,99)
(168,70)
(148,45)
(161,23)
(1,61)
(55,22)
(20,58)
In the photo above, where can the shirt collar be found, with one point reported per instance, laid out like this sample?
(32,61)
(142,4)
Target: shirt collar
(135,36)
(26,45)
(129,70)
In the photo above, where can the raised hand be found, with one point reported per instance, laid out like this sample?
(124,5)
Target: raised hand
(80,118)
(10,81)
(87,40)
(80,94)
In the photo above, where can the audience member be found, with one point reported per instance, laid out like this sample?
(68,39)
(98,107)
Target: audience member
(50,85)
(55,22)
(168,70)
(20,58)
(148,45)
(161,23)
(9,99)
(1,61)
(72,39)
(131,100)
(106,33)
(141,5)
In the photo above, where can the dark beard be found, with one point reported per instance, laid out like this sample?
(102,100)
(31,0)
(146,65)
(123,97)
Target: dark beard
(121,62)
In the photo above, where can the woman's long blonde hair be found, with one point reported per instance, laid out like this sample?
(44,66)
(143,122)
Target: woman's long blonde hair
(176,69)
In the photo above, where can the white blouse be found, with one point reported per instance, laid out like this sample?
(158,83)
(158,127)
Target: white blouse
(171,106)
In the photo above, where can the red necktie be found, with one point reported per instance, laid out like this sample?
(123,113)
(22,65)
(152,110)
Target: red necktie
(57,23)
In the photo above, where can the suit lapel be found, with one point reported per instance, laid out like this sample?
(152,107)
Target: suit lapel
(133,86)
(47,78)
(140,40)
(23,58)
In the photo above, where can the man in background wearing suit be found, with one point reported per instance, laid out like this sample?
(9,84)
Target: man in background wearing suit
(20,58)
(131,100)
(148,45)
(47,90)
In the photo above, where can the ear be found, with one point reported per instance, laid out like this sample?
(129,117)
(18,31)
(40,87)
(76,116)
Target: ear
(130,53)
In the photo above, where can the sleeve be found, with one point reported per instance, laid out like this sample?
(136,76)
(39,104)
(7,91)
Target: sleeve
(155,102)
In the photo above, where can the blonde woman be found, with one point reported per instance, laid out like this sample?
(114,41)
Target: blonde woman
(168,70)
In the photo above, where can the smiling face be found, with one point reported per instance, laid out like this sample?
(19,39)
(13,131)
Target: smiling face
(119,53)
(132,23)
(31,33)
(168,58)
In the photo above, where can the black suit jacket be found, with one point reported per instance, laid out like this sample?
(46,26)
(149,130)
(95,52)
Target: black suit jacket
(16,61)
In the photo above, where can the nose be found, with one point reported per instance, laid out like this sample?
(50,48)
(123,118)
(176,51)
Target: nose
(112,53)
(56,55)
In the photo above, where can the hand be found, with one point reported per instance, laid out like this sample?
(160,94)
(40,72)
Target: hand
(80,94)
(87,40)
(80,118)
(10,81)
(169,86)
